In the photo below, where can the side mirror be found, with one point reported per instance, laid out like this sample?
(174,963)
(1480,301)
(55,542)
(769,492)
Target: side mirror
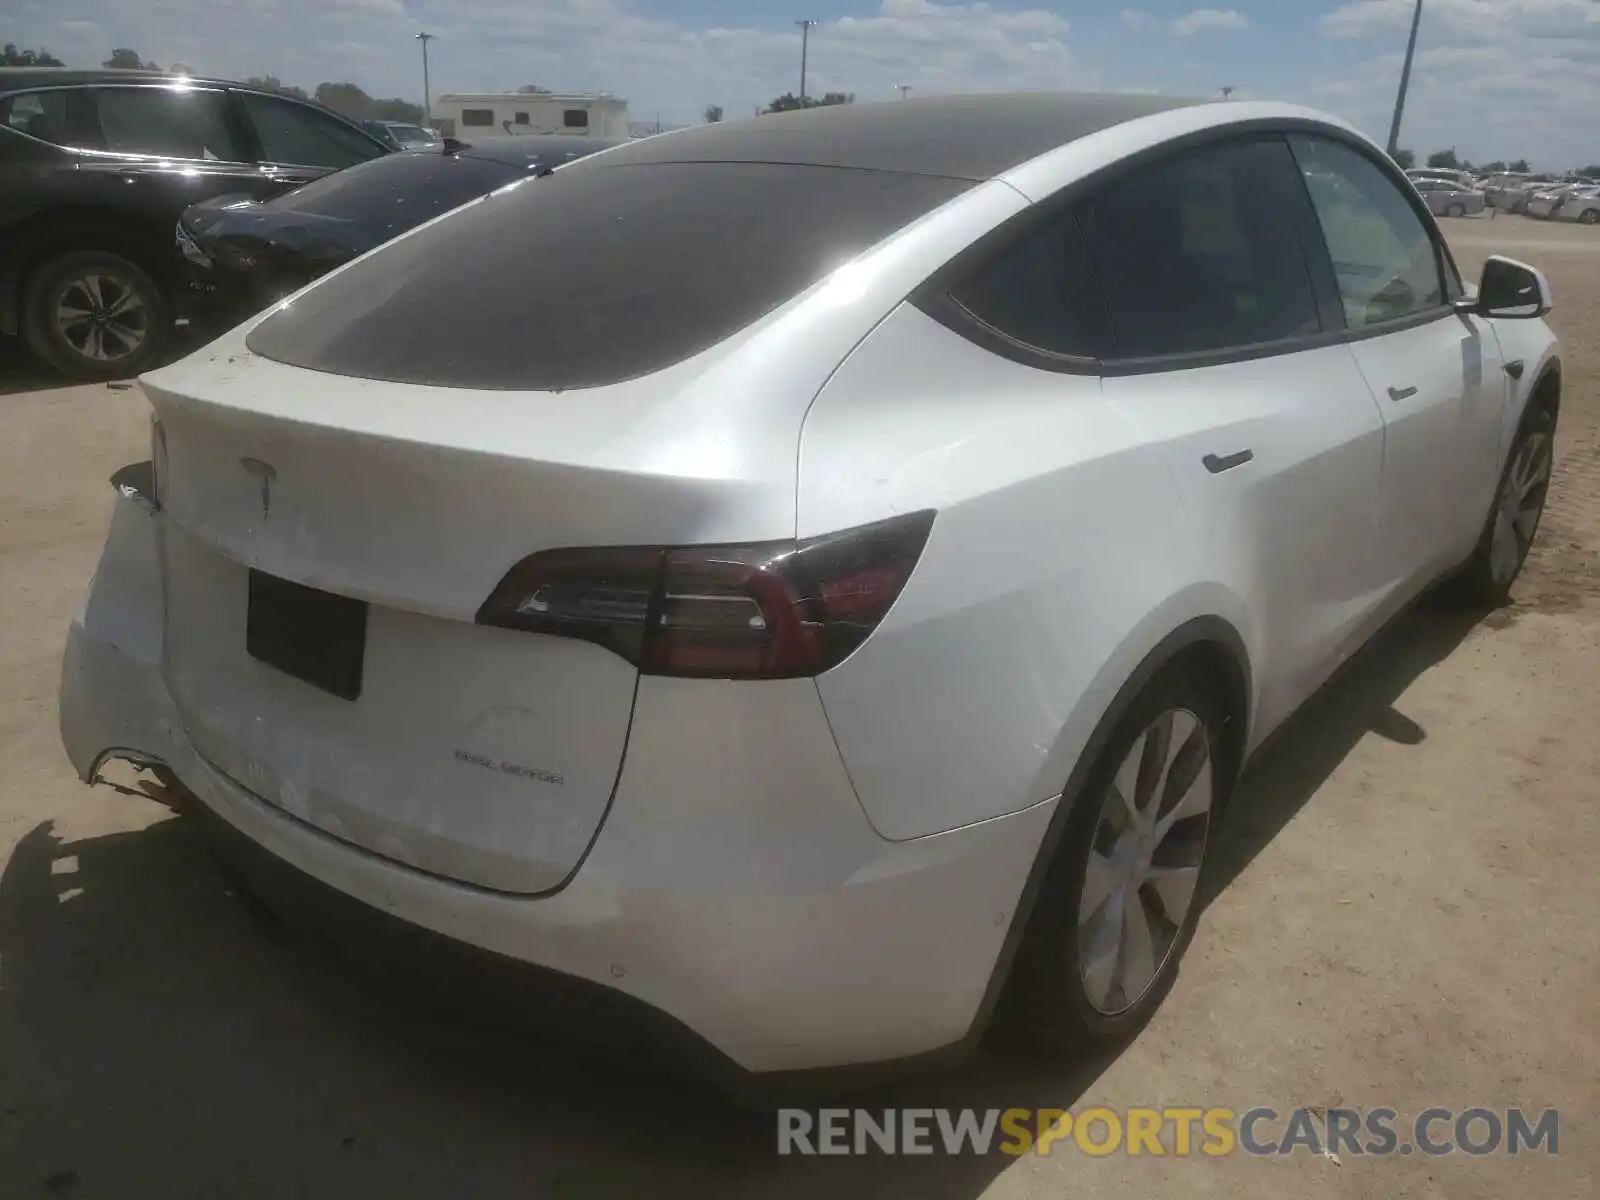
(1511,290)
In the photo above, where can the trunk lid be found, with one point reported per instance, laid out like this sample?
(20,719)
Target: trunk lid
(479,754)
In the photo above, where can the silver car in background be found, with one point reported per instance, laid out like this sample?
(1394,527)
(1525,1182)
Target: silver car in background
(1509,192)
(1446,199)
(1546,202)
(1581,205)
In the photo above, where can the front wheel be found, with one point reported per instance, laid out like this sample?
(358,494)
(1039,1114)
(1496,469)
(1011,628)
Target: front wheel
(1514,520)
(1121,900)
(91,314)
(1590,216)
(1456,210)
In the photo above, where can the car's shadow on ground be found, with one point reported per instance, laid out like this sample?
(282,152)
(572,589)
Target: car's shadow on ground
(158,1038)
(20,371)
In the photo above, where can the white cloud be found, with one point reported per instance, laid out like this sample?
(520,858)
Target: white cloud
(1209,18)
(1496,78)
(1190,23)
(1475,20)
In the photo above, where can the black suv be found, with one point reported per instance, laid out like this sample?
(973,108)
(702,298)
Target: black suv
(95,169)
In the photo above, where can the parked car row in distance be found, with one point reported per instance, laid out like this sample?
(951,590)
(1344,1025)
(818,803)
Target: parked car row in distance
(1566,202)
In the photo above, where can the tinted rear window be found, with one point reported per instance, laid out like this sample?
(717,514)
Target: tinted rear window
(595,274)
(399,191)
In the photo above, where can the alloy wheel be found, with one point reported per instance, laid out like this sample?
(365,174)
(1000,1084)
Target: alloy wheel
(102,316)
(1520,506)
(1144,861)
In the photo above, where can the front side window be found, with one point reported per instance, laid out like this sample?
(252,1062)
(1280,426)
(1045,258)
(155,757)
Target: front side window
(477,116)
(1201,252)
(1384,256)
(168,122)
(520,119)
(575,118)
(298,135)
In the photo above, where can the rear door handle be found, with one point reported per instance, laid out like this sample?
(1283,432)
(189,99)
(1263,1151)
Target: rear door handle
(1402,393)
(1228,462)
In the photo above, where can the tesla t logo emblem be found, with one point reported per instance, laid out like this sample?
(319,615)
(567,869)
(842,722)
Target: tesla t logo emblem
(265,474)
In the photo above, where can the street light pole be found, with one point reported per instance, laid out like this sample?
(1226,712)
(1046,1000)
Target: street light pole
(805,41)
(1405,82)
(427,89)
(905,89)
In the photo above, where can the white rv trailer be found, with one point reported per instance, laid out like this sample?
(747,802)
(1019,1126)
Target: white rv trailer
(587,114)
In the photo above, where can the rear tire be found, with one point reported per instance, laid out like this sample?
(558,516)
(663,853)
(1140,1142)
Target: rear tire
(92,314)
(1120,901)
(1514,517)
(1456,210)
(1589,216)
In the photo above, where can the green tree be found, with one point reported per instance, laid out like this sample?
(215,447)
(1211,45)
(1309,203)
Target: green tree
(1405,159)
(533,89)
(277,85)
(395,109)
(1445,159)
(1592,171)
(789,102)
(123,59)
(1493,168)
(1520,166)
(11,55)
(713,114)
(346,98)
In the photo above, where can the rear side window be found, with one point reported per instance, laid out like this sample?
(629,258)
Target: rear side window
(477,116)
(399,191)
(594,274)
(575,118)
(1202,252)
(1040,290)
(1383,255)
(169,122)
(42,115)
(302,136)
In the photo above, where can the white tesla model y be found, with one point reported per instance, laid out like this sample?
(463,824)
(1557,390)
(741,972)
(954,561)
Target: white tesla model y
(815,575)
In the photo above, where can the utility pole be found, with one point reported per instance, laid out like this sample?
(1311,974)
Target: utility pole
(905,89)
(805,42)
(1405,82)
(427,90)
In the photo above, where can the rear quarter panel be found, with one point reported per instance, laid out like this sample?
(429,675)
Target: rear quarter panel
(1060,557)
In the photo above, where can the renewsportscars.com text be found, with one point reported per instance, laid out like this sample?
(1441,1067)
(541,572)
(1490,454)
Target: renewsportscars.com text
(1168,1131)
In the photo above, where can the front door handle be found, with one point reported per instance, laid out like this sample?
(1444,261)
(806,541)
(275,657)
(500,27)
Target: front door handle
(1402,393)
(1227,463)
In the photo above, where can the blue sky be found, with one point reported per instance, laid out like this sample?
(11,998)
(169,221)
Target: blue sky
(1495,78)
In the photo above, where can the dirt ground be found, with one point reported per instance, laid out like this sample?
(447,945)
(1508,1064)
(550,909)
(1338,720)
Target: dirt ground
(1407,913)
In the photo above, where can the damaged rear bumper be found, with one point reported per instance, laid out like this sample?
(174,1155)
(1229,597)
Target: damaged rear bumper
(113,703)
(738,899)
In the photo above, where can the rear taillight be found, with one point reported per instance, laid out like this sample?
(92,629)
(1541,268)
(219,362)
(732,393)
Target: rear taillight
(772,610)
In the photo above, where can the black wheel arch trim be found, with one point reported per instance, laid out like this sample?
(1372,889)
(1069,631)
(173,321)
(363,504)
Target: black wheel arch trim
(1208,632)
(1549,376)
